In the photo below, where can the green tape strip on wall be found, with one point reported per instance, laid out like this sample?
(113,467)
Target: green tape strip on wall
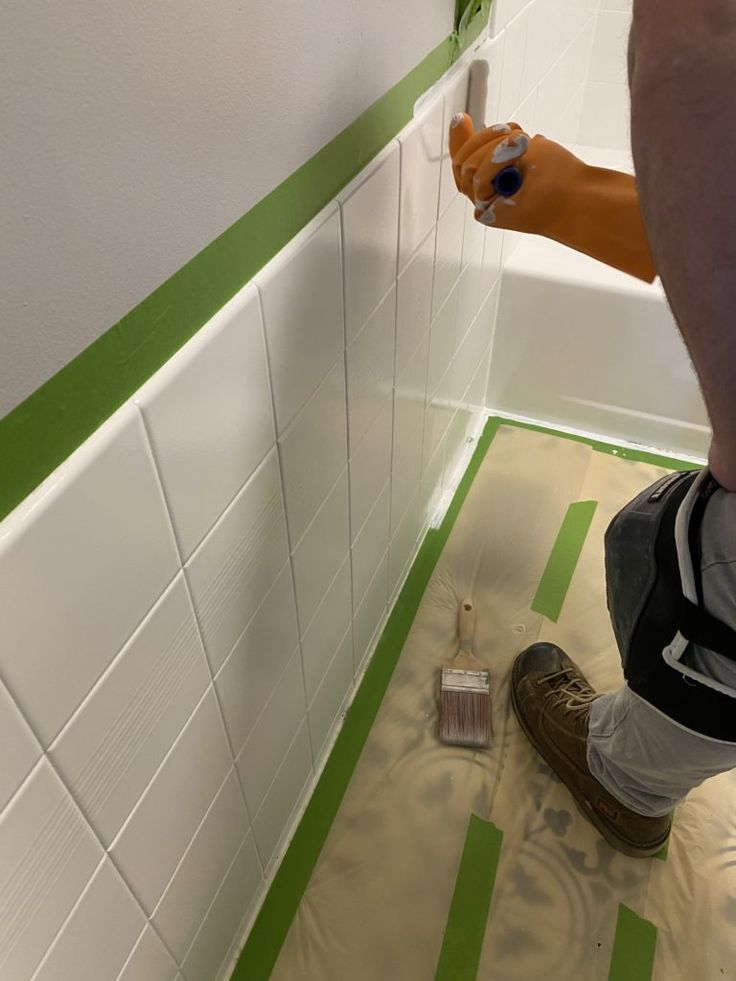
(633,947)
(563,559)
(50,424)
(471,903)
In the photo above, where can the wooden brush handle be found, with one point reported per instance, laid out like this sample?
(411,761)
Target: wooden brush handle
(466,625)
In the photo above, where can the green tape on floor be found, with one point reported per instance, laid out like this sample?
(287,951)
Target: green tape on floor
(269,931)
(633,948)
(563,559)
(471,902)
(58,417)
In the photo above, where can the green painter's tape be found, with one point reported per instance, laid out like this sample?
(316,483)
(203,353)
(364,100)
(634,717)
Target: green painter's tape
(563,559)
(269,931)
(42,431)
(471,902)
(633,948)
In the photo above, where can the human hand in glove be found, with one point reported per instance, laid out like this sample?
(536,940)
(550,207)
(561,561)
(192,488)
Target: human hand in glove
(590,209)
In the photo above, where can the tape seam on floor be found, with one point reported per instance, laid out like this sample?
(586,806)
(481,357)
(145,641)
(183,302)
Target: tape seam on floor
(563,559)
(285,893)
(633,947)
(471,902)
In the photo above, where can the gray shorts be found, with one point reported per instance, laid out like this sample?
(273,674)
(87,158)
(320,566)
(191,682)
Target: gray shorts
(641,755)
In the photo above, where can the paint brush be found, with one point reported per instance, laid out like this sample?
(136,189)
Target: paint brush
(465,690)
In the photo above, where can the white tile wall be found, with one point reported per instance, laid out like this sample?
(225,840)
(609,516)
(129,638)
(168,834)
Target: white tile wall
(214,566)
(604,120)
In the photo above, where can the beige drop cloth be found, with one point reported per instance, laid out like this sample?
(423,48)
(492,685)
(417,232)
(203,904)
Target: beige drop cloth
(377,902)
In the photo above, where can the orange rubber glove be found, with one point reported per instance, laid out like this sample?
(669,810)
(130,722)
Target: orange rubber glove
(590,209)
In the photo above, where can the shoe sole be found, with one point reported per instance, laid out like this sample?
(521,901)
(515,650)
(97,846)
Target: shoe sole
(558,765)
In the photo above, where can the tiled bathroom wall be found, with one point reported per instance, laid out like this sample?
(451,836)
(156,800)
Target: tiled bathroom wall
(188,603)
(605,117)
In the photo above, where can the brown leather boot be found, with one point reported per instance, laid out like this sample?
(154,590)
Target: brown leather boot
(552,702)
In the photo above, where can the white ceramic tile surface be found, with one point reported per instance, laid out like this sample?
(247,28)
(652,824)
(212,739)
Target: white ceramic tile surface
(194,885)
(404,542)
(209,416)
(421,149)
(328,626)
(370,364)
(455,100)
(608,61)
(301,290)
(370,614)
(330,697)
(604,119)
(269,742)
(442,342)
(471,280)
(158,832)
(503,12)
(411,388)
(314,451)
(19,749)
(414,303)
(322,551)
(405,477)
(236,565)
(513,67)
(149,961)
(370,467)
(370,544)
(448,260)
(87,949)
(112,746)
(47,856)
(284,795)
(250,674)
(370,230)
(93,549)
(221,927)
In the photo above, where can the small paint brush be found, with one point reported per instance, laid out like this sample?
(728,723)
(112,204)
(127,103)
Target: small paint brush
(465,691)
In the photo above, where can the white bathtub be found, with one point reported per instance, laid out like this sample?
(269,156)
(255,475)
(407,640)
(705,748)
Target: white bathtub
(585,347)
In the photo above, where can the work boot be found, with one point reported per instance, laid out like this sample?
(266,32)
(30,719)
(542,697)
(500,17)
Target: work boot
(552,702)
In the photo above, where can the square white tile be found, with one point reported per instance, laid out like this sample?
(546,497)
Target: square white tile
(249,675)
(370,234)
(284,796)
(93,549)
(326,629)
(370,467)
(322,551)
(604,119)
(503,12)
(469,287)
(442,342)
(47,856)
(431,484)
(404,542)
(609,59)
(370,364)
(411,389)
(414,303)
(371,614)
(475,397)
(421,153)
(222,927)
(405,478)
(19,749)
(158,832)
(97,939)
(149,961)
(370,544)
(492,260)
(513,67)
(200,874)
(301,292)
(455,100)
(112,746)
(448,260)
(330,698)
(269,742)
(238,562)
(209,416)
(314,451)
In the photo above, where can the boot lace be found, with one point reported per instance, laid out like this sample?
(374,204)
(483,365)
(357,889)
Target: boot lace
(568,692)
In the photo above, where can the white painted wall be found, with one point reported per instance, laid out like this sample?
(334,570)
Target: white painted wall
(132,134)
